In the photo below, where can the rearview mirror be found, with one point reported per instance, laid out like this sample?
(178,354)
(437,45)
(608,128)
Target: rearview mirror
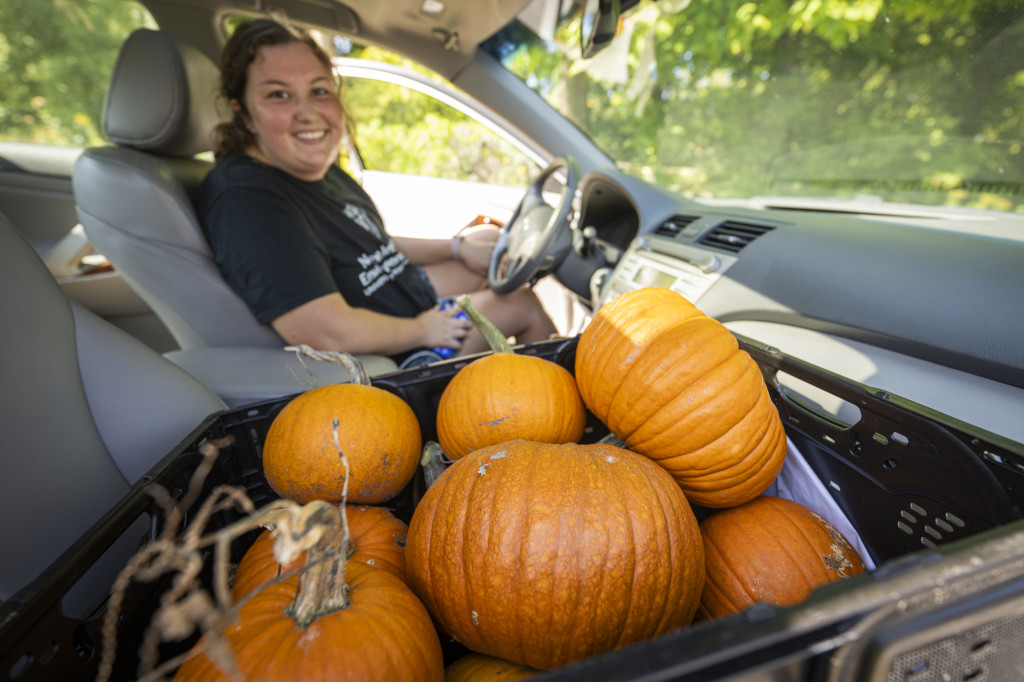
(599,24)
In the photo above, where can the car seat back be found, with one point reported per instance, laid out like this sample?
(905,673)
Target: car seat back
(85,411)
(135,198)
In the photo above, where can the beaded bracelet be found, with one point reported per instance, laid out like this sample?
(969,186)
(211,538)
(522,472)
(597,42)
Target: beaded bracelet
(456,243)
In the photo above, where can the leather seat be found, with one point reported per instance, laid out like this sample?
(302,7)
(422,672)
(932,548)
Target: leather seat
(135,202)
(85,411)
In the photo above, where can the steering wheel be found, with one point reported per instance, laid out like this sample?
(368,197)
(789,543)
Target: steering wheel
(537,238)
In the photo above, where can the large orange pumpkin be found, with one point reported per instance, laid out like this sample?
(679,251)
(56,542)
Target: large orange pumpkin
(377,539)
(333,622)
(384,634)
(504,396)
(377,431)
(773,550)
(674,385)
(544,554)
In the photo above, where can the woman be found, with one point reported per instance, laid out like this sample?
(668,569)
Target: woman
(300,241)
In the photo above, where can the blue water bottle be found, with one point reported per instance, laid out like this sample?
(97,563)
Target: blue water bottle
(446,303)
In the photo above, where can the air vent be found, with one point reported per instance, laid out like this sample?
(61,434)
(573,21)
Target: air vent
(673,226)
(733,235)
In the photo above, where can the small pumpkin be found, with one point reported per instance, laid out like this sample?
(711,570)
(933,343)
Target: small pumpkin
(377,540)
(773,550)
(475,667)
(332,623)
(674,385)
(543,554)
(504,396)
(377,431)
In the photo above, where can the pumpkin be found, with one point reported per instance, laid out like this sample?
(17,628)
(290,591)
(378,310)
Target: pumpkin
(334,622)
(674,385)
(377,431)
(772,550)
(506,396)
(475,667)
(543,554)
(377,539)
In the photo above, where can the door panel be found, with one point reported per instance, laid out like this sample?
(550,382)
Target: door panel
(36,196)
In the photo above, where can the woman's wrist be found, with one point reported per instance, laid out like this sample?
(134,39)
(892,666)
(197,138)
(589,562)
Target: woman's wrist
(456,246)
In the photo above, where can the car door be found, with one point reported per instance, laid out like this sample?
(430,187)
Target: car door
(431,158)
(435,160)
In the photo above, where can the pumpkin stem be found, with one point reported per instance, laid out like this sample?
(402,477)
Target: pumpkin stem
(322,588)
(356,370)
(495,339)
(433,461)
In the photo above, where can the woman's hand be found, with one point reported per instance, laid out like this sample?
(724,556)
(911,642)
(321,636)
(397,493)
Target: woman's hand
(442,328)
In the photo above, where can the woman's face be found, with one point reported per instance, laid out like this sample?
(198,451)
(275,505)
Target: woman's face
(294,111)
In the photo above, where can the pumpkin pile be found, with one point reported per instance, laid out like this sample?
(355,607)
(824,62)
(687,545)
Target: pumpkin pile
(531,549)
(327,599)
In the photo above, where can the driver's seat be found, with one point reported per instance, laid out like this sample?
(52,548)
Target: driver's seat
(135,198)
(135,202)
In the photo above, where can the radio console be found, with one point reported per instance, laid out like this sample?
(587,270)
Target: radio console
(655,261)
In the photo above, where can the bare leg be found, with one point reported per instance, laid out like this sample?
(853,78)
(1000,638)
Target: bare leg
(452,278)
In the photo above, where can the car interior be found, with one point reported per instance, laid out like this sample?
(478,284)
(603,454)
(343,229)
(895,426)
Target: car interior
(117,311)
(91,439)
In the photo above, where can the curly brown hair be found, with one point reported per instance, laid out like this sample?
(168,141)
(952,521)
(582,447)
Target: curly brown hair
(233,137)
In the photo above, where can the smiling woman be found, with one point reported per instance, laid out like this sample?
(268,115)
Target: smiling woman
(301,242)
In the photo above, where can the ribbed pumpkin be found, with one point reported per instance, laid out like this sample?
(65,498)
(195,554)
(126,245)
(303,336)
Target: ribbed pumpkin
(333,623)
(773,550)
(544,554)
(479,668)
(377,540)
(504,396)
(674,385)
(377,431)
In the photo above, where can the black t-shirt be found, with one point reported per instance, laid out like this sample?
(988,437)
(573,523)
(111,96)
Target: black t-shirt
(281,242)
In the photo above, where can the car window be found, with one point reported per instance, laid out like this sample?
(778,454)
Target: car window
(917,102)
(400,130)
(57,58)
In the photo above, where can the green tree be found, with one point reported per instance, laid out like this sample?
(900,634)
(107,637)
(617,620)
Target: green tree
(404,131)
(57,56)
(919,100)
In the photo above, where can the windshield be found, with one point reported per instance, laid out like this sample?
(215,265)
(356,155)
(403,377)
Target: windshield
(915,101)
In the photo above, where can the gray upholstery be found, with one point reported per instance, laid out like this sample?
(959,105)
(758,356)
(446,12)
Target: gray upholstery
(135,201)
(85,411)
(135,198)
(243,375)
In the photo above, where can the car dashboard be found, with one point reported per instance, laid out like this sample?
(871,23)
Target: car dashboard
(922,302)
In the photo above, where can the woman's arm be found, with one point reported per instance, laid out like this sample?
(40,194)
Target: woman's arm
(472,248)
(330,323)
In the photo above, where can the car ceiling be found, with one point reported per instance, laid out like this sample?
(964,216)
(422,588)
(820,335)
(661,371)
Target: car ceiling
(439,33)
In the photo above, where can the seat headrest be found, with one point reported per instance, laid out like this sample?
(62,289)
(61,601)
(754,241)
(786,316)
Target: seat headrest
(162,96)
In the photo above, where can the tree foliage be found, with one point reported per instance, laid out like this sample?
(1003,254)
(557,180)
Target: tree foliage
(917,100)
(404,131)
(57,57)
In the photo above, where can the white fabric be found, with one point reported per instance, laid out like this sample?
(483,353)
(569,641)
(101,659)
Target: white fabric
(798,482)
